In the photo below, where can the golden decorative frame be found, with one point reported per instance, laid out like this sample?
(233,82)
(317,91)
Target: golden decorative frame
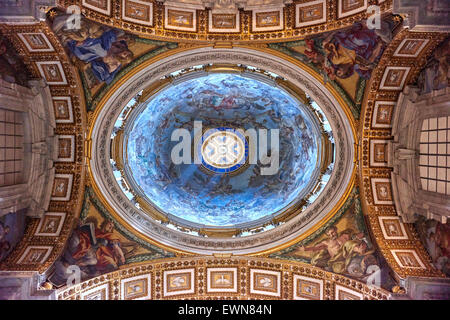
(244,265)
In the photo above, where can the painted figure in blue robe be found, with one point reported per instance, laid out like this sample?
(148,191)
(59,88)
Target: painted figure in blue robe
(106,54)
(354,50)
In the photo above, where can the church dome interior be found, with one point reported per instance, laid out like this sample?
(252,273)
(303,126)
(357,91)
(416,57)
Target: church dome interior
(211,150)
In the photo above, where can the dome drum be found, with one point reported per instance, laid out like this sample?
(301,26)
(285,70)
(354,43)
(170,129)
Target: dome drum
(281,225)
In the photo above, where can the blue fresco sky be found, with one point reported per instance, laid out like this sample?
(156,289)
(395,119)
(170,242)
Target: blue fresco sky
(218,100)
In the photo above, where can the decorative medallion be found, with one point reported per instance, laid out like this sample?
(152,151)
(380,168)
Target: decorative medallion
(223,150)
(263,20)
(310,13)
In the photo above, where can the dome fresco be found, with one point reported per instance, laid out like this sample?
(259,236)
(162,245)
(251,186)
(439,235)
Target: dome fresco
(192,193)
(223,150)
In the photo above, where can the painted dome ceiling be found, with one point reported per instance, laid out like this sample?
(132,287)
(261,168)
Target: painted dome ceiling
(106,91)
(196,194)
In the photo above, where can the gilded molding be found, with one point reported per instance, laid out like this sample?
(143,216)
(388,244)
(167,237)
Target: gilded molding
(203,35)
(376,96)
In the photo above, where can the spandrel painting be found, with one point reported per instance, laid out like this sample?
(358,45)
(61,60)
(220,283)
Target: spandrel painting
(343,246)
(436,73)
(99,245)
(101,54)
(12,68)
(345,58)
(427,12)
(12,228)
(435,236)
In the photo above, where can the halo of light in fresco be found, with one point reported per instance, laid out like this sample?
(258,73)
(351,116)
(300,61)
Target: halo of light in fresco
(223,150)
(221,100)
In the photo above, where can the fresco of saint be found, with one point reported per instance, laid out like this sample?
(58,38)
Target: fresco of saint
(344,247)
(345,52)
(99,247)
(436,74)
(340,251)
(106,54)
(94,249)
(12,228)
(104,49)
(436,238)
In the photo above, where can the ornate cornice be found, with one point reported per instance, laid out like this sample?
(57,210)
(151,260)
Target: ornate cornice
(328,15)
(284,281)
